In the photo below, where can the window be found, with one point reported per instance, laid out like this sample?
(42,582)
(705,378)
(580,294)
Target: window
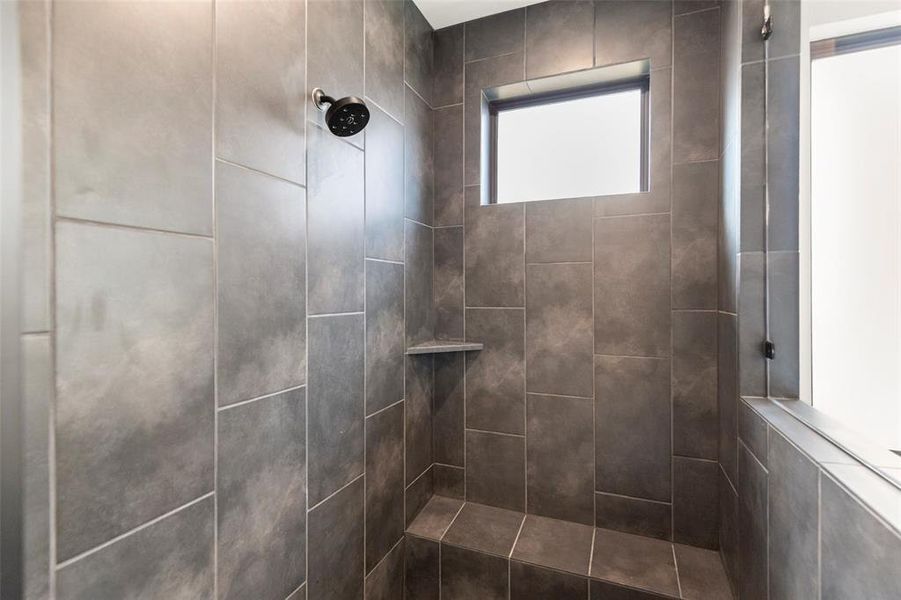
(570,144)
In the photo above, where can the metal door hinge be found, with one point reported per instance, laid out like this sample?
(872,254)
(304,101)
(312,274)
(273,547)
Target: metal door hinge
(767,29)
(769,349)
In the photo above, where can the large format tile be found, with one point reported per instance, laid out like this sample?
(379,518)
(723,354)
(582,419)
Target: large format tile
(146,68)
(695,197)
(632,286)
(701,574)
(753,432)
(495,376)
(560,37)
(172,558)
(694,384)
(421,569)
(419,131)
(631,30)
(783,108)
(559,545)
(134,379)
(37,398)
(728,527)
(632,426)
(420,389)
(494,244)
(419,265)
(261,233)
(261,491)
(259,113)
(384,482)
(696,106)
(485,528)
(449,166)
(634,515)
(528,582)
(448,65)
(335,404)
(751,325)
(384,187)
(752,526)
(384,52)
(727,393)
(448,409)
(559,329)
(634,561)
(384,334)
(448,283)
(335,224)
(470,575)
(497,34)
(559,231)
(784,293)
(418,50)
(449,480)
(695,498)
(336,537)
(560,457)
(495,469)
(386,580)
(433,520)
(418,493)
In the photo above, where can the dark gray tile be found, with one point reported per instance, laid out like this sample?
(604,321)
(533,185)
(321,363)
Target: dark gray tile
(335,49)
(497,34)
(631,30)
(752,526)
(384,187)
(335,404)
(449,166)
(694,384)
(261,234)
(528,582)
(335,216)
(172,558)
(384,334)
(448,409)
(495,243)
(495,376)
(727,392)
(784,293)
(696,106)
(752,168)
(419,281)
(681,7)
(560,37)
(751,325)
(435,517)
(560,457)
(422,564)
(559,329)
(384,482)
(783,112)
(632,426)
(384,53)
(634,515)
(37,397)
(602,590)
(495,469)
(695,198)
(701,574)
(729,226)
(418,51)
(261,490)
(448,283)
(386,581)
(448,65)
(794,521)
(299,594)
(419,134)
(420,389)
(336,535)
(559,545)
(752,430)
(449,481)
(134,376)
(786,13)
(472,575)
(259,118)
(634,561)
(695,498)
(559,231)
(632,286)
(418,494)
(108,58)
(485,529)
(752,46)
(728,526)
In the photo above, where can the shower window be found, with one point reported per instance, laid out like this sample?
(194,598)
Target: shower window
(570,144)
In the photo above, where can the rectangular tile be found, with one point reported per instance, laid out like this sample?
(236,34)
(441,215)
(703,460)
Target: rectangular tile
(701,574)
(37,398)
(783,114)
(449,481)
(336,534)
(419,264)
(494,245)
(448,65)
(384,482)
(784,293)
(501,33)
(470,574)
(528,582)
(417,494)
(728,527)
(753,432)
(495,469)
(560,37)
(634,561)
(135,404)
(384,187)
(421,570)
(696,54)
(559,545)
(335,404)
(752,526)
(559,230)
(485,529)
(420,390)
(694,384)
(448,409)
(695,498)
(418,50)
(386,580)
(418,159)
(449,165)
(632,30)
(695,198)
(751,325)
(261,235)
(753,157)
(634,515)
(727,392)
(448,289)
(435,517)
(384,334)
(384,54)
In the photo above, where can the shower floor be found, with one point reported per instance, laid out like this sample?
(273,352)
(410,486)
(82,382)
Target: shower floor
(472,551)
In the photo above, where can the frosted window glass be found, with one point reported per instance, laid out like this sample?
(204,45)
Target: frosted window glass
(588,146)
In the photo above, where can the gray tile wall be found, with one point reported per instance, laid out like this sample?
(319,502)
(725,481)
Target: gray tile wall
(219,294)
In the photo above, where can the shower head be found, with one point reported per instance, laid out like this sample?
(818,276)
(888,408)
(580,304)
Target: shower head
(345,117)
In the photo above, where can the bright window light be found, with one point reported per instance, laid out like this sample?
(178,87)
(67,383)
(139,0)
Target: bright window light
(570,147)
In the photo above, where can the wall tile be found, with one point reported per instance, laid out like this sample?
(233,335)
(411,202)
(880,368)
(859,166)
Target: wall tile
(560,457)
(783,105)
(447,418)
(632,30)
(485,529)
(696,106)
(695,498)
(386,581)
(752,170)
(37,397)
(528,582)
(422,563)
(727,393)
(753,431)
(418,52)
(632,286)
(449,481)
(336,534)
(420,389)
(448,65)
(694,384)
(470,574)
(635,562)
(559,231)
(384,187)
(751,326)
(633,515)
(130,447)
(752,526)
(335,404)
(495,470)
(494,246)
(701,574)
(261,489)
(497,34)
(632,426)
(784,377)
(334,54)
(119,60)
(695,198)
(335,223)
(560,37)
(449,165)
(384,54)
(384,334)
(448,283)
(384,483)
(729,229)
(418,493)
(495,375)
(259,120)
(418,161)
(557,544)
(435,518)
(728,527)
(299,594)
(419,264)
(261,234)
(172,558)
(681,7)
(559,329)
(785,12)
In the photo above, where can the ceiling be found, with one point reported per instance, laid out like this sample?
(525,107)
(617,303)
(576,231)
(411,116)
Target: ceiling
(442,13)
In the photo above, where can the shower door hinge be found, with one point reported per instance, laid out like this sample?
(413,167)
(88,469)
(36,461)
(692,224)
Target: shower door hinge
(767,29)
(769,349)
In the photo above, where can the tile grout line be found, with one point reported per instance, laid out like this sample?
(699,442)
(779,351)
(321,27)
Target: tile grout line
(52,549)
(306,297)
(220,409)
(215,299)
(127,227)
(254,170)
(518,533)
(335,493)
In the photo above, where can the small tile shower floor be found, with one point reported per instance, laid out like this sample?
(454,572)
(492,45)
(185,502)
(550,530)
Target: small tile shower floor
(484,549)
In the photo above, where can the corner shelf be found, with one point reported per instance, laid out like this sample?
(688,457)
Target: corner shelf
(442,346)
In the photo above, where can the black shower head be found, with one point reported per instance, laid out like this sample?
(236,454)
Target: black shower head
(345,117)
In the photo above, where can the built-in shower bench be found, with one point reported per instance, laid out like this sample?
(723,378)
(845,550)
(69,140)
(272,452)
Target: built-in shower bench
(470,550)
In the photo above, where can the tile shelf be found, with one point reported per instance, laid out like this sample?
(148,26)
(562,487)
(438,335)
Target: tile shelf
(442,346)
